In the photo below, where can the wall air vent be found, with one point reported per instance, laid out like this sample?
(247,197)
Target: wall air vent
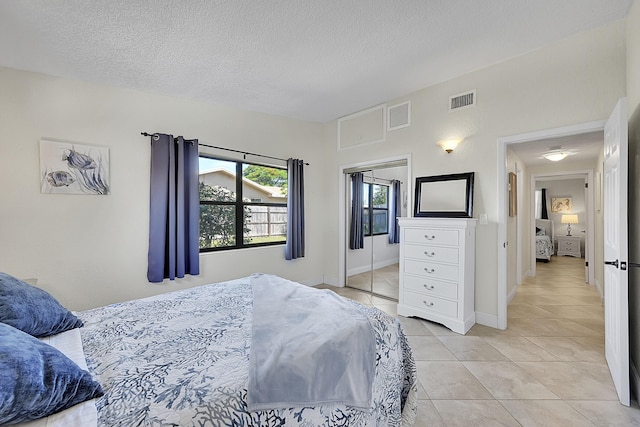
(462,101)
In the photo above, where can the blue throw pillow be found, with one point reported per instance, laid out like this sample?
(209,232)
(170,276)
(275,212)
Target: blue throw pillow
(32,309)
(37,380)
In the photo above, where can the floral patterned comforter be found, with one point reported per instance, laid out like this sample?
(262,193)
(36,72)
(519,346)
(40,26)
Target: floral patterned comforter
(181,359)
(544,247)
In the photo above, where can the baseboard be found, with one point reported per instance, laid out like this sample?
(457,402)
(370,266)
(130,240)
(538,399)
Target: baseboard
(376,265)
(599,289)
(313,281)
(635,380)
(487,320)
(332,281)
(357,270)
(512,294)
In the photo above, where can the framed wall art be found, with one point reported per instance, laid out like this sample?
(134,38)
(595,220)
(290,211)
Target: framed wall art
(67,168)
(561,205)
(513,194)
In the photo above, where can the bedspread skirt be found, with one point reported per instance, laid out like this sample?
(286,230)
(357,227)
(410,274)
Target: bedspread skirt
(181,359)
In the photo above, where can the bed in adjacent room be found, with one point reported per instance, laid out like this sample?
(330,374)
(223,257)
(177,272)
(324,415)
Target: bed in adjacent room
(545,233)
(255,351)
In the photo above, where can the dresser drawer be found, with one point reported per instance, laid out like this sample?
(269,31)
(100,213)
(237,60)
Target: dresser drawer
(431,270)
(434,304)
(568,245)
(433,236)
(431,253)
(430,287)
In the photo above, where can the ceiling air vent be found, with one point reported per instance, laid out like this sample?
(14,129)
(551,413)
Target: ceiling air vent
(462,100)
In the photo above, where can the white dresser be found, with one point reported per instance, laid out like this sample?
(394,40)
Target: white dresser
(437,269)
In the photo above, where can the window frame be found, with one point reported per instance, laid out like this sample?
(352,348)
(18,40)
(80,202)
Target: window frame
(370,209)
(240,206)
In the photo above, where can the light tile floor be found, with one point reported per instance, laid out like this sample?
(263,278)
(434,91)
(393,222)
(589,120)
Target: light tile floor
(547,368)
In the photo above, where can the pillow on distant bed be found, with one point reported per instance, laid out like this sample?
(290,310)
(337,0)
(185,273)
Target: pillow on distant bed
(33,310)
(37,380)
(540,231)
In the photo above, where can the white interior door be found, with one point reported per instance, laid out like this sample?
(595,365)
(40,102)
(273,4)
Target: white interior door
(616,292)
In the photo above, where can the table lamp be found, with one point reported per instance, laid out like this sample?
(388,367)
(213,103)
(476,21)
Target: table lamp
(569,219)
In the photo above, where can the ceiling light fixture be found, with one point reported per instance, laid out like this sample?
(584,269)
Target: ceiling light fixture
(555,154)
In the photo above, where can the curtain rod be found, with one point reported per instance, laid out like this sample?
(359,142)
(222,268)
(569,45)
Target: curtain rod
(244,153)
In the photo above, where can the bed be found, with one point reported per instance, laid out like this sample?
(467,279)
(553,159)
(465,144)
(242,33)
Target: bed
(545,235)
(212,356)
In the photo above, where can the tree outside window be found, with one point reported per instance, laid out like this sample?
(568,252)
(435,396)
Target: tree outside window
(241,205)
(375,209)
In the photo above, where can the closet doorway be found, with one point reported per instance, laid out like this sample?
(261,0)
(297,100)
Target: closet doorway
(372,266)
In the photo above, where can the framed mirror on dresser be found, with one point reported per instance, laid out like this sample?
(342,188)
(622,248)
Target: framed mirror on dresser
(444,196)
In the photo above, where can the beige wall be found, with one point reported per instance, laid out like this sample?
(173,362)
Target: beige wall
(574,81)
(92,250)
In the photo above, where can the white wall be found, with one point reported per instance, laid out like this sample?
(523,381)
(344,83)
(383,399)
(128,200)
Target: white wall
(577,80)
(92,250)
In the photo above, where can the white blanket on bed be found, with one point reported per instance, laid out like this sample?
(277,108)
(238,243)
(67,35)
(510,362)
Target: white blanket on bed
(308,348)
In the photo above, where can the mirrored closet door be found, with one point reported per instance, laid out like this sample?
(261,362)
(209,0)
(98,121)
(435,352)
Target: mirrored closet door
(372,255)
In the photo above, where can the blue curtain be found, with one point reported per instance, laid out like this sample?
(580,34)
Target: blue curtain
(174,208)
(545,213)
(356,231)
(394,212)
(295,209)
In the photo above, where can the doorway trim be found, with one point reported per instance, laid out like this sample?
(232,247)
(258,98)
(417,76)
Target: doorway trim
(503,142)
(342,210)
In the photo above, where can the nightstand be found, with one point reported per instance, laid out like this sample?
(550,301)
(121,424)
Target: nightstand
(569,245)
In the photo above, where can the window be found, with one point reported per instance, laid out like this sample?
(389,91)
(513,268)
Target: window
(375,209)
(241,205)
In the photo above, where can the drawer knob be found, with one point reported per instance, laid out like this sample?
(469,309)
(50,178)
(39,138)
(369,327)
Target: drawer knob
(428,304)
(430,287)
(432,270)
(430,254)
(429,237)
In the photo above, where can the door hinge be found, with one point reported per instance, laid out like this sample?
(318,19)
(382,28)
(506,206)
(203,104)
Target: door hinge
(586,264)
(586,185)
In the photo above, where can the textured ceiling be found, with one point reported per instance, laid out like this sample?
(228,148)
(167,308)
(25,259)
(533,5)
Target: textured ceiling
(311,60)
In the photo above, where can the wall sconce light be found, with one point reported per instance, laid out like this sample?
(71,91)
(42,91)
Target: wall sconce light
(569,219)
(450,144)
